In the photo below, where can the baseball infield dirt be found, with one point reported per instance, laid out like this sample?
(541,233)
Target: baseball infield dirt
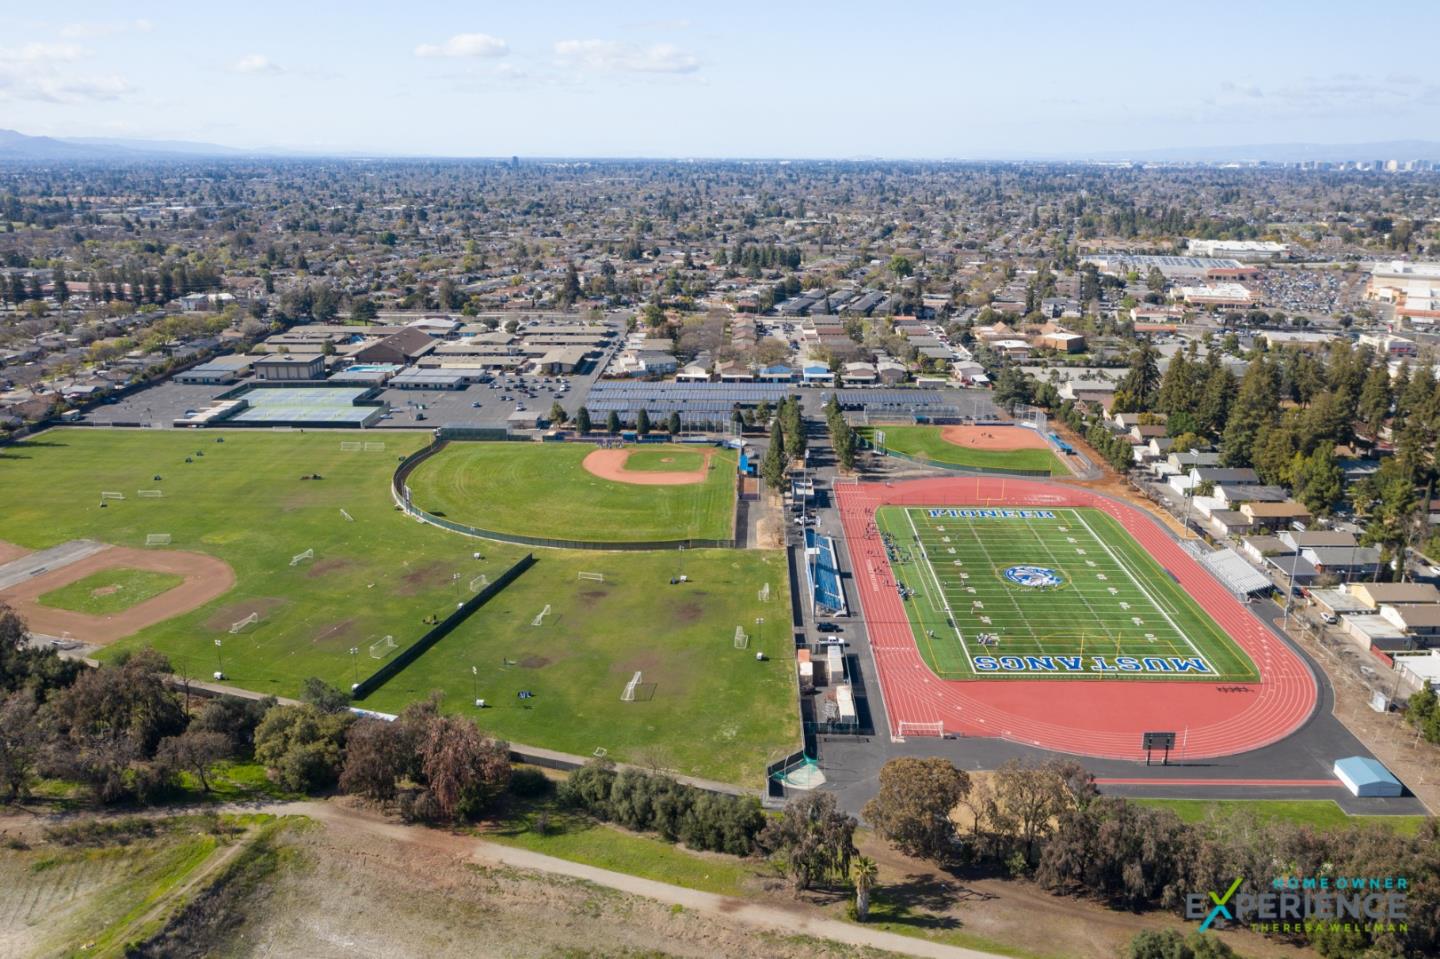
(994,437)
(610,465)
(205,578)
(9,552)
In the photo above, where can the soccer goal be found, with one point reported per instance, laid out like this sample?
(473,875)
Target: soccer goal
(742,641)
(111,494)
(299,558)
(374,447)
(345,513)
(382,647)
(908,728)
(157,539)
(593,577)
(350,446)
(239,627)
(150,493)
(628,696)
(539,620)
(764,594)
(479,583)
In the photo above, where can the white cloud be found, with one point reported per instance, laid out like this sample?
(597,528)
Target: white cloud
(613,56)
(465,45)
(255,63)
(45,72)
(94,28)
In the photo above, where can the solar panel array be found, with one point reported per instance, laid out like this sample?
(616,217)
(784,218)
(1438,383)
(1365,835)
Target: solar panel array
(710,400)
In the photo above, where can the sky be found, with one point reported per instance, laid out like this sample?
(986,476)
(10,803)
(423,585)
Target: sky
(958,79)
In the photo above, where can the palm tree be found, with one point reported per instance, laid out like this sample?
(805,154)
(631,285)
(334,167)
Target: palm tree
(864,871)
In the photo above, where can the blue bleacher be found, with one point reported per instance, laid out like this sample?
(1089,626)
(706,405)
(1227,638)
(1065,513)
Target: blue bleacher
(824,574)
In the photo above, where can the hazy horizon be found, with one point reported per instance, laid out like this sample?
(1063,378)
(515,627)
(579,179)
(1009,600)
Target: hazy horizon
(923,81)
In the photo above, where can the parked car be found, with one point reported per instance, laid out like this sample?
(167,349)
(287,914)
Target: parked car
(828,627)
(1329,619)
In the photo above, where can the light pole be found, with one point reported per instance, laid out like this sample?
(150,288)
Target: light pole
(475,683)
(760,632)
(219,661)
(354,666)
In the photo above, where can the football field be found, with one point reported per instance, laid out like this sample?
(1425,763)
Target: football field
(1047,593)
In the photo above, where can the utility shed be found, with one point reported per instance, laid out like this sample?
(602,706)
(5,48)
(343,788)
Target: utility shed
(1367,777)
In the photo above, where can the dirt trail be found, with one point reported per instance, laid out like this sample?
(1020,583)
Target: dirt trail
(609,464)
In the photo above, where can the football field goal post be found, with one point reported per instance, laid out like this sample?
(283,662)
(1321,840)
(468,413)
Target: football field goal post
(382,647)
(239,627)
(479,583)
(593,577)
(349,446)
(742,641)
(628,696)
(539,620)
(150,493)
(111,494)
(299,558)
(908,728)
(157,539)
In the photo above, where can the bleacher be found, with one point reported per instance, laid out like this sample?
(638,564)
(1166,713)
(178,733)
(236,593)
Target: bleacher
(823,573)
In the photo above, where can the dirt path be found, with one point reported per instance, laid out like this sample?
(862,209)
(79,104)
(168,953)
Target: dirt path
(205,579)
(10,552)
(799,919)
(609,464)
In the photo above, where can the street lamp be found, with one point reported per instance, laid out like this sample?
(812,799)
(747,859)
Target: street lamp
(355,665)
(760,631)
(219,662)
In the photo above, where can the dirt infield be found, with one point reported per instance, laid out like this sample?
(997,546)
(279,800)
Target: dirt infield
(997,438)
(9,552)
(205,578)
(610,465)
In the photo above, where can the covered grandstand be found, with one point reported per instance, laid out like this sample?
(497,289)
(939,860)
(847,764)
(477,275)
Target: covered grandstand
(822,574)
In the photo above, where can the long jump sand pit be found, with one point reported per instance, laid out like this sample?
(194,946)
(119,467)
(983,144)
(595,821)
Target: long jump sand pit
(996,438)
(205,578)
(610,464)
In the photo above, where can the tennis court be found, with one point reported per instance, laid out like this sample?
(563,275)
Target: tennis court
(299,405)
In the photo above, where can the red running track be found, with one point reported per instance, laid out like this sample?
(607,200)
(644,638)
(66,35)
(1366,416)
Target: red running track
(1084,717)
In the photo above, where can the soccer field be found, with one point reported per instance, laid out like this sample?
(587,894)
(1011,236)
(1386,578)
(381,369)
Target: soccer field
(1047,593)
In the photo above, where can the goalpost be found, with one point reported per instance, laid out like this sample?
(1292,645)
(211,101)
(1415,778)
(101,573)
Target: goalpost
(539,620)
(346,514)
(349,446)
(593,577)
(382,647)
(150,493)
(764,594)
(250,620)
(628,696)
(374,447)
(110,494)
(157,539)
(479,583)
(742,641)
(299,558)
(909,728)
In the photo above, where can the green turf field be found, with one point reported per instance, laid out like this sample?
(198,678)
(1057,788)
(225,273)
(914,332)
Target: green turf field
(926,443)
(663,460)
(714,709)
(540,489)
(1061,592)
(703,707)
(110,590)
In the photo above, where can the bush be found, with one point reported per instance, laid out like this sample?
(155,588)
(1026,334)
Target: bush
(530,783)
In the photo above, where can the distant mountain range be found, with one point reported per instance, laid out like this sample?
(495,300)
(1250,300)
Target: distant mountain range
(19,146)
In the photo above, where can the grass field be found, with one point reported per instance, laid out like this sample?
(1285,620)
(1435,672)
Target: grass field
(926,443)
(664,460)
(704,708)
(110,590)
(714,711)
(1062,593)
(1318,813)
(540,489)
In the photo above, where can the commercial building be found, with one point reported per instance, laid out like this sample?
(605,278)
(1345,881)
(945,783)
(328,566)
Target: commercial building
(1247,250)
(290,366)
(1233,296)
